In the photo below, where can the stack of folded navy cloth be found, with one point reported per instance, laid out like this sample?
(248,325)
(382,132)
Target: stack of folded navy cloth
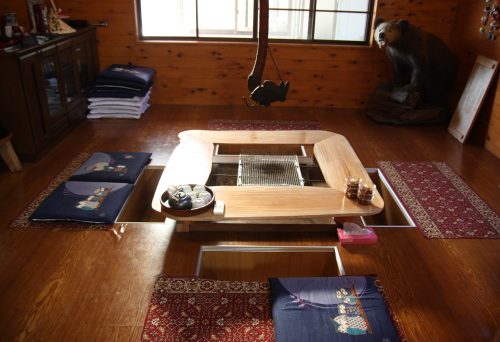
(121,91)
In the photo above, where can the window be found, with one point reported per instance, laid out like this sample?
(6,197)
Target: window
(289,20)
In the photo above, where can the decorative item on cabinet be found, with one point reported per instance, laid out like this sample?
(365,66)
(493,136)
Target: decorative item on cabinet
(56,25)
(40,13)
(45,92)
(10,32)
(46,18)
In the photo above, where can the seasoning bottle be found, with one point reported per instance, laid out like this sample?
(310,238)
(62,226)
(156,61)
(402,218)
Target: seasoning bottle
(351,187)
(10,21)
(366,192)
(41,16)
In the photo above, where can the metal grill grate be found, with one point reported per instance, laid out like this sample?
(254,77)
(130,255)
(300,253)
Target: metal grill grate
(269,170)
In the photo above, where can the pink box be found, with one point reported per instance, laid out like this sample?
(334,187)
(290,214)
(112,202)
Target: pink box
(364,239)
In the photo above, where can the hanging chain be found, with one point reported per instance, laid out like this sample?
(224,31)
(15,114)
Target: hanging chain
(274,62)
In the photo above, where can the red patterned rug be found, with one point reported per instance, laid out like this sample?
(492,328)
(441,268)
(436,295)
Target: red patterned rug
(261,125)
(184,309)
(441,203)
(23,221)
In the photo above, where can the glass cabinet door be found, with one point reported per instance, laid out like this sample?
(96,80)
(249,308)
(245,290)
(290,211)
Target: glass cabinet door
(68,74)
(51,85)
(82,64)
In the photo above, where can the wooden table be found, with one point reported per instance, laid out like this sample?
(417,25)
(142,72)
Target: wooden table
(191,163)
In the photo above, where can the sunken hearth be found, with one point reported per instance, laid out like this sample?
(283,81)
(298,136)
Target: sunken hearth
(287,165)
(271,165)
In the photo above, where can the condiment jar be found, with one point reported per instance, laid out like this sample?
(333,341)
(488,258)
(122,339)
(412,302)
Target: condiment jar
(351,186)
(366,192)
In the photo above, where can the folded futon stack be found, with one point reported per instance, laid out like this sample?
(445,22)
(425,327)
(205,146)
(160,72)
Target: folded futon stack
(97,191)
(121,91)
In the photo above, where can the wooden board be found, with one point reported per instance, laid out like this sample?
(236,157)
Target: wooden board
(289,137)
(492,143)
(472,98)
(191,164)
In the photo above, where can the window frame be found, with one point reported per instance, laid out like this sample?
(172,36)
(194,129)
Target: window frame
(311,28)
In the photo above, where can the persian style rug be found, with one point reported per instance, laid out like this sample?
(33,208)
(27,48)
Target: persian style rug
(183,309)
(261,125)
(23,221)
(441,203)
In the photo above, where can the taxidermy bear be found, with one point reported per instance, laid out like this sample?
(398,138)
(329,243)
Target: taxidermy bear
(424,72)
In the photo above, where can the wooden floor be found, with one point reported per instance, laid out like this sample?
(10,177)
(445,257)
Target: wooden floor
(64,285)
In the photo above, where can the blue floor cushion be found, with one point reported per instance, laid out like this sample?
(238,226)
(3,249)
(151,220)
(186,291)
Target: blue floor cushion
(126,75)
(348,308)
(122,167)
(94,202)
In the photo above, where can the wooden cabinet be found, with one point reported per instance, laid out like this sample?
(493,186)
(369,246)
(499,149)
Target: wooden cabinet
(43,90)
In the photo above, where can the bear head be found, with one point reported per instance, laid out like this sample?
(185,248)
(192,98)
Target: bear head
(388,32)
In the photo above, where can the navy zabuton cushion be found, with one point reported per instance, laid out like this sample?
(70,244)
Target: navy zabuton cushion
(126,75)
(348,308)
(122,167)
(94,202)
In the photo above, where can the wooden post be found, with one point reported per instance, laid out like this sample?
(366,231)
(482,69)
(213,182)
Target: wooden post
(9,155)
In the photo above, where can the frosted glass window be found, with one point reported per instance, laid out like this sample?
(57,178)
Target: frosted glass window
(225,18)
(340,26)
(343,5)
(302,20)
(288,24)
(172,18)
(290,4)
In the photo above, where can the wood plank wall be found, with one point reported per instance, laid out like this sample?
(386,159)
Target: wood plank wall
(215,73)
(469,43)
